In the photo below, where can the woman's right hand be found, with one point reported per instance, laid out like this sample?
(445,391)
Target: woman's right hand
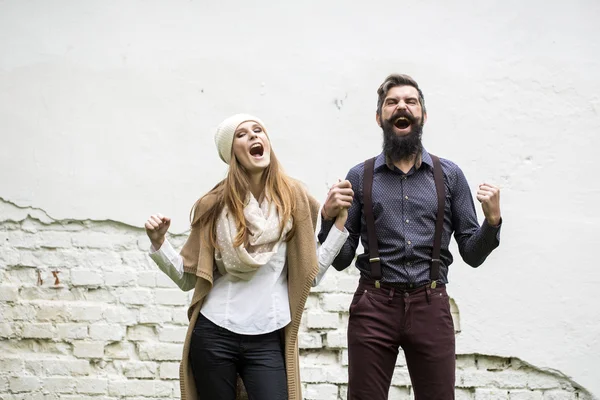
(156,229)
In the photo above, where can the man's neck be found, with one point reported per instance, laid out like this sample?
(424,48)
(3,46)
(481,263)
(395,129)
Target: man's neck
(406,164)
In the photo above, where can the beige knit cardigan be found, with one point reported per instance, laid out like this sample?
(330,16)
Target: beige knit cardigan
(198,259)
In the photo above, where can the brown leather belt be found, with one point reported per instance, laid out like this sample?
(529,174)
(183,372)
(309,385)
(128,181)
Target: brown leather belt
(405,287)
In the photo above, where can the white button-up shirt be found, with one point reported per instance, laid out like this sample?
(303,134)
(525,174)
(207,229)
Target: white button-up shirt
(258,306)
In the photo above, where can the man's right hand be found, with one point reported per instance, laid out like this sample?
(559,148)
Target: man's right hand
(156,229)
(340,196)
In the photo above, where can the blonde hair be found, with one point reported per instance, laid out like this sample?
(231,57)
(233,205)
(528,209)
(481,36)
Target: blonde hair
(232,192)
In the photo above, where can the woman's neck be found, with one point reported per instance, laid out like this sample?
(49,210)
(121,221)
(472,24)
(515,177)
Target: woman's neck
(257,185)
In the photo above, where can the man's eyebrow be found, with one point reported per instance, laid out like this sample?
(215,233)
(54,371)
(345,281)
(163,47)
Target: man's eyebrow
(396,97)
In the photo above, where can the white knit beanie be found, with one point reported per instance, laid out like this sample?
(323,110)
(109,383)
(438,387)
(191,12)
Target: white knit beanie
(226,130)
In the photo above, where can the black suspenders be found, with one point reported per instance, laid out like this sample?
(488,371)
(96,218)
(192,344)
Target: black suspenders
(368,208)
(438,177)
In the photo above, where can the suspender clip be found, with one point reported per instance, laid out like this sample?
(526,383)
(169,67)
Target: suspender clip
(433,284)
(373,260)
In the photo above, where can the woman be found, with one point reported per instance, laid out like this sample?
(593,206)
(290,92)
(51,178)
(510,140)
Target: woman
(251,258)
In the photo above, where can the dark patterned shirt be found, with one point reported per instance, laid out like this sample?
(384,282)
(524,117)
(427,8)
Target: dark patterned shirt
(404,209)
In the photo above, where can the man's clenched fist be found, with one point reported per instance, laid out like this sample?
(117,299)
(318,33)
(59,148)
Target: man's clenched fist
(489,197)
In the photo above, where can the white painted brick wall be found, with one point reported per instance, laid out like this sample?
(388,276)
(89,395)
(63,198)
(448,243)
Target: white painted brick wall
(113,327)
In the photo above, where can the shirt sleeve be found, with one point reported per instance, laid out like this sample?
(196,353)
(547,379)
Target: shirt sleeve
(327,252)
(171,263)
(475,243)
(348,250)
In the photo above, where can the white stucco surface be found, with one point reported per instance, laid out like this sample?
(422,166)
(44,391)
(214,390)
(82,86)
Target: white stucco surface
(108,108)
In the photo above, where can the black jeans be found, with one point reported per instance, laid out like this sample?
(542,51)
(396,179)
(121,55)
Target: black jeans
(218,355)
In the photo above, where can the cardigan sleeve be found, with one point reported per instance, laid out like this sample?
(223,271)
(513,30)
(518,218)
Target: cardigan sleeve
(314,210)
(313,205)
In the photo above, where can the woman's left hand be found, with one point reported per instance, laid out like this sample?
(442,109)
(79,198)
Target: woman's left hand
(341,218)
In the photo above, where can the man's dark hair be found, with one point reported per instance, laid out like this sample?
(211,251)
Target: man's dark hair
(394,80)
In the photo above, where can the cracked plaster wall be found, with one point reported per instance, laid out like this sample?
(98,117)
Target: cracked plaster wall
(85,313)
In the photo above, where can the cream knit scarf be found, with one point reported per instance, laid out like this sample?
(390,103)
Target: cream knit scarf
(263,240)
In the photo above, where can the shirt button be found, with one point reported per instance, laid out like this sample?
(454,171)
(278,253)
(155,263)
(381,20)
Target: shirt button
(407,221)
(406,197)
(408,242)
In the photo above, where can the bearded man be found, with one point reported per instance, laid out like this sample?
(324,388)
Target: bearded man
(405,204)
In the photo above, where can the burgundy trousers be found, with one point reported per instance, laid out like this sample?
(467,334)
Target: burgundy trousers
(382,320)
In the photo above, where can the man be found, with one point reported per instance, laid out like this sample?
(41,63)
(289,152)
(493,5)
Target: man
(401,300)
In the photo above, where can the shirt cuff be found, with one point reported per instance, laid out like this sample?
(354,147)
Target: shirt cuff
(490,231)
(325,228)
(165,255)
(336,239)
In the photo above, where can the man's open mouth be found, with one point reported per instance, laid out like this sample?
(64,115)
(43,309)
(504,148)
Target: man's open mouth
(402,123)
(257,150)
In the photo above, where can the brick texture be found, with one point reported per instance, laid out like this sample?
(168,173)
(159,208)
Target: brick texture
(86,315)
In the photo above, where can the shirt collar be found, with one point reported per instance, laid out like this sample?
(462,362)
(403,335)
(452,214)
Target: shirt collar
(422,157)
(426,158)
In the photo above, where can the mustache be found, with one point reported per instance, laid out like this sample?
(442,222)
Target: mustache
(404,114)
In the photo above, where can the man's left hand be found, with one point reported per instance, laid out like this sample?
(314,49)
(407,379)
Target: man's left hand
(340,196)
(489,197)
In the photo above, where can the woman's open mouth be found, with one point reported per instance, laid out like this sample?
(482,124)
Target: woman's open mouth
(402,123)
(257,150)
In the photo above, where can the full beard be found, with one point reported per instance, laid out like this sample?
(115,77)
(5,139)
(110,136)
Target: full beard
(398,148)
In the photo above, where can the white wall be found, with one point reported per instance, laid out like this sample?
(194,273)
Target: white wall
(111,327)
(107,111)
